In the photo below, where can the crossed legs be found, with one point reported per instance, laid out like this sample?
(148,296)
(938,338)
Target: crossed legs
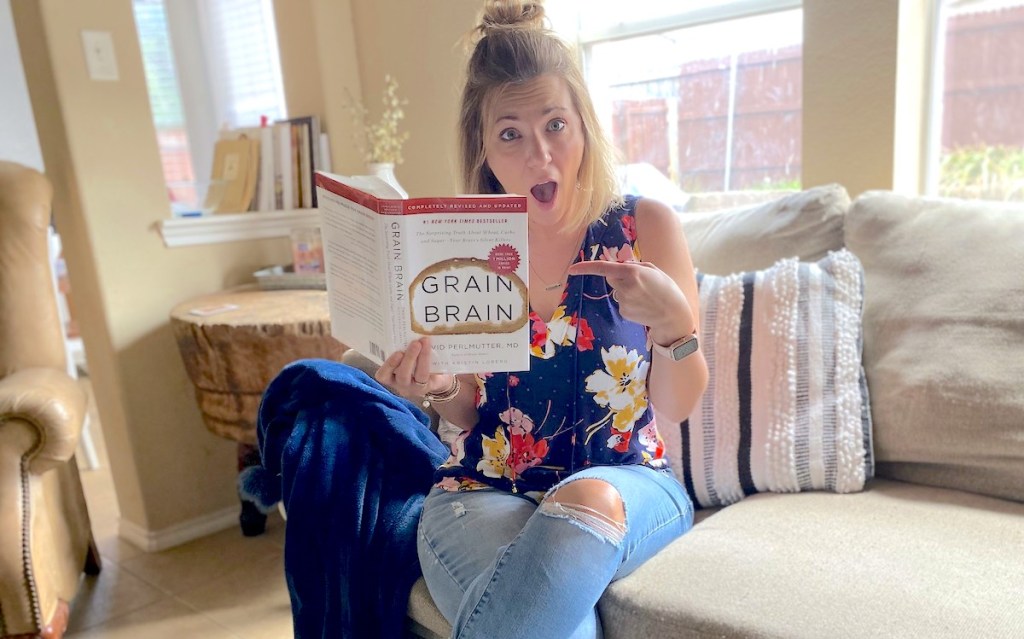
(499,566)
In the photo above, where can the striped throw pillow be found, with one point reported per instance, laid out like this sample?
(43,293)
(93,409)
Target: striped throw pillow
(786,407)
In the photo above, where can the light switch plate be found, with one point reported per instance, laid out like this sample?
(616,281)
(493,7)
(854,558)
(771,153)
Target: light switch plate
(99,55)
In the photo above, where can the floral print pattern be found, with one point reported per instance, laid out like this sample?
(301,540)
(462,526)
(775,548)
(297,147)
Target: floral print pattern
(622,388)
(546,337)
(513,449)
(584,400)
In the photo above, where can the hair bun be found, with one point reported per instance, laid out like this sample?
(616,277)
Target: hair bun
(503,15)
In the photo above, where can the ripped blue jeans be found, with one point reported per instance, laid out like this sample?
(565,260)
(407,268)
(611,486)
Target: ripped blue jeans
(498,565)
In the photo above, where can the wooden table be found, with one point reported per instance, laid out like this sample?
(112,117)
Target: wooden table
(232,354)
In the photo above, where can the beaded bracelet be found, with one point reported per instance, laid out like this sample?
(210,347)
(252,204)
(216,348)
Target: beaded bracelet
(445,395)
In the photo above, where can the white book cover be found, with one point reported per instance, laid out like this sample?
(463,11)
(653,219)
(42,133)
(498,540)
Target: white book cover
(454,268)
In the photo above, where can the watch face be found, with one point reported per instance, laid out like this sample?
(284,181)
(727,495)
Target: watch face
(686,348)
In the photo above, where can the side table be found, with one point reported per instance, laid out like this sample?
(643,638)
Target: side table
(233,343)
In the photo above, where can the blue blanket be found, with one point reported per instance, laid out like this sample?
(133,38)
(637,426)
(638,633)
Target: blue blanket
(355,463)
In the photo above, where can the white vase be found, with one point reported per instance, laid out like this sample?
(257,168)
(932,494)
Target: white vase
(386,172)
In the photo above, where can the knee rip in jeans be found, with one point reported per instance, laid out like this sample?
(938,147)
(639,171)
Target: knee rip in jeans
(589,519)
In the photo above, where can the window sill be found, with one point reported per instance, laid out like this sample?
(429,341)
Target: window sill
(233,227)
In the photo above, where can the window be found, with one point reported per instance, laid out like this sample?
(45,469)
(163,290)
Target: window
(209,65)
(165,98)
(977,132)
(710,97)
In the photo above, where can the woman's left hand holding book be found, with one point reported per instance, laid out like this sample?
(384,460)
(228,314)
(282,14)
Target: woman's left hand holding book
(408,374)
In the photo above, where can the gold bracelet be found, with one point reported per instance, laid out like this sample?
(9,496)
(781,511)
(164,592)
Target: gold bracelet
(444,396)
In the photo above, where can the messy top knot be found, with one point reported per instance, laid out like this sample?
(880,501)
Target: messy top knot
(502,15)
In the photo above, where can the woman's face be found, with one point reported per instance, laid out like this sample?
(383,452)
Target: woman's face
(533,142)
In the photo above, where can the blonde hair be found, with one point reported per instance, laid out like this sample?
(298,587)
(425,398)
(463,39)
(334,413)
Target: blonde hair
(512,46)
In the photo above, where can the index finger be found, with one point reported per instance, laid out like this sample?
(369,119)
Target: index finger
(602,268)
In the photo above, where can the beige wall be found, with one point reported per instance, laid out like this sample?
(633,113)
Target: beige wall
(422,50)
(99,147)
(849,90)
(417,42)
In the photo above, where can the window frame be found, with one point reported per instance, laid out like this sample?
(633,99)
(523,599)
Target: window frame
(696,16)
(934,87)
(194,82)
(932,113)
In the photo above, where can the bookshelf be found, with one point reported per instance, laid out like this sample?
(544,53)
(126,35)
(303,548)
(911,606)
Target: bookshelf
(233,227)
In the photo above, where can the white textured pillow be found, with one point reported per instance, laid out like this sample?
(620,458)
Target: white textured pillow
(786,408)
(807,224)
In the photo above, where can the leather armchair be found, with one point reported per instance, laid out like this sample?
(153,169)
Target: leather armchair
(45,535)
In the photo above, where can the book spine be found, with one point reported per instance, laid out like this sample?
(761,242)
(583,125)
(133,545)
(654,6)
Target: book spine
(282,166)
(306,166)
(396,261)
(296,170)
(266,181)
(325,154)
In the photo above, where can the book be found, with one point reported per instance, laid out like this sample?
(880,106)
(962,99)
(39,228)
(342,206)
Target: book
(263,199)
(307,137)
(454,268)
(236,170)
(324,163)
(283,182)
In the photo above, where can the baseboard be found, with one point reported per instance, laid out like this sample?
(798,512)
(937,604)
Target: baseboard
(157,540)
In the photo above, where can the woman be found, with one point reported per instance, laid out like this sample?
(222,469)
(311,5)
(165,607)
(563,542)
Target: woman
(557,483)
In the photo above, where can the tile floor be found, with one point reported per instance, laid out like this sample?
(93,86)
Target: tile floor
(221,586)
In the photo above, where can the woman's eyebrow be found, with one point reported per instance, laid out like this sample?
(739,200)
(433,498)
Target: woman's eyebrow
(547,111)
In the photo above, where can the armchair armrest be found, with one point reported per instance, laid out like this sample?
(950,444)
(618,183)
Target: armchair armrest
(50,401)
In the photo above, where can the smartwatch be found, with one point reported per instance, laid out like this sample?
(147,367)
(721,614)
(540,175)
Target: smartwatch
(679,349)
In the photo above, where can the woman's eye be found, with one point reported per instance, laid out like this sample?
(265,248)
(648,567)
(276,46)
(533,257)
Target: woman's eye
(556,125)
(508,135)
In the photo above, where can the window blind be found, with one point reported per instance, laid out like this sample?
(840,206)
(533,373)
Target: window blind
(243,59)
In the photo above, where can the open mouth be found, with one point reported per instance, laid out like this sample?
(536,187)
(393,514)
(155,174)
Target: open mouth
(545,192)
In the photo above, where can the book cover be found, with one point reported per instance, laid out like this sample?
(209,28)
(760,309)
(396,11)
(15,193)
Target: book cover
(236,168)
(263,196)
(454,268)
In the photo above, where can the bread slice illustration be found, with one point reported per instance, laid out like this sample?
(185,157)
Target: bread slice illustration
(463,295)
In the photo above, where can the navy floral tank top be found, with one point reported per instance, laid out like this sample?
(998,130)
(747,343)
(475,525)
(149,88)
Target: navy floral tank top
(584,400)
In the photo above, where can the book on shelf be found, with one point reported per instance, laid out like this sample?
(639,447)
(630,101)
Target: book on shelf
(454,268)
(234,173)
(306,134)
(284,182)
(263,199)
(281,160)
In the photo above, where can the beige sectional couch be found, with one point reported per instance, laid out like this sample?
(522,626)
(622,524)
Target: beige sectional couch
(934,544)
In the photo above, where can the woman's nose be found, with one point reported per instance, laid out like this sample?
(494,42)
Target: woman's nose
(540,153)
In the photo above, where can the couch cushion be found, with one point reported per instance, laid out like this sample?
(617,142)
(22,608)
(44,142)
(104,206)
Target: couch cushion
(807,224)
(786,407)
(944,339)
(896,560)
(425,614)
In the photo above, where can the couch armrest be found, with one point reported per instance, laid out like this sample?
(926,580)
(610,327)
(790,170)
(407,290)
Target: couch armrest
(50,401)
